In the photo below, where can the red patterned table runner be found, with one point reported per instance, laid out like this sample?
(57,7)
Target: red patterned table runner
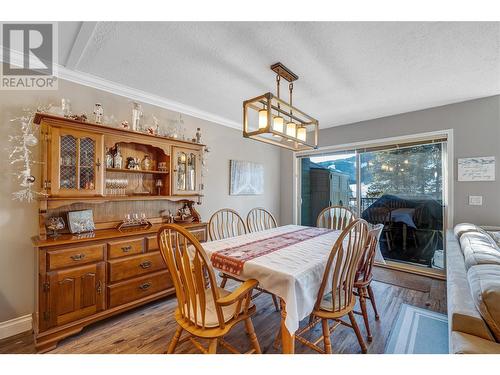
(232,259)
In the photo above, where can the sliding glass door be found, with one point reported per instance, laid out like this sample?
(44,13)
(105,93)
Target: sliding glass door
(325,181)
(399,186)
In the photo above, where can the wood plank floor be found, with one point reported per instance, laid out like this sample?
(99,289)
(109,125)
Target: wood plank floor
(149,328)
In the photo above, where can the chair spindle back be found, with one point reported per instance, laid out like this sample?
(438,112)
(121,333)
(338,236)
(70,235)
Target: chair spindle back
(364,273)
(335,217)
(259,219)
(225,223)
(191,273)
(342,265)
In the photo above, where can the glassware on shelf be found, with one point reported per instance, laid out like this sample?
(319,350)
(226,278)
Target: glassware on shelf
(123,186)
(147,163)
(109,158)
(162,166)
(159,185)
(128,219)
(116,186)
(141,189)
(118,159)
(66,107)
(134,220)
(136,117)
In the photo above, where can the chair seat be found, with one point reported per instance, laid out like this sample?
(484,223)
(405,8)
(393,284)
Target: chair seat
(211,319)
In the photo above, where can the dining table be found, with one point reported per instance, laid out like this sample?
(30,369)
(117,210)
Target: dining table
(288,261)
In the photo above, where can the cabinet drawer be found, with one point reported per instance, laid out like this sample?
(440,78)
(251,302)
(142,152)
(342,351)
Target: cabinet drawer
(74,256)
(128,291)
(152,243)
(199,233)
(123,248)
(136,265)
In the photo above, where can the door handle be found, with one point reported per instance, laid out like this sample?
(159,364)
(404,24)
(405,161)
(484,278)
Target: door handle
(98,164)
(126,249)
(77,257)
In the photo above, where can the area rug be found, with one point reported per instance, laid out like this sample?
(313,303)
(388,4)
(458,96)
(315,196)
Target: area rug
(418,331)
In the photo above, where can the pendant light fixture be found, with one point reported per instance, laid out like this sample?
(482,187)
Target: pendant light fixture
(268,118)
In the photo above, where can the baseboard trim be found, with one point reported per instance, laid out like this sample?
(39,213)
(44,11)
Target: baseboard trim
(15,326)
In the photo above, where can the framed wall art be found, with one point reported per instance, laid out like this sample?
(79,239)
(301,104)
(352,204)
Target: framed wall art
(246,178)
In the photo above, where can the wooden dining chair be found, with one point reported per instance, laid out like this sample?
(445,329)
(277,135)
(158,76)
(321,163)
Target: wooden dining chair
(364,277)
(340,275)
(225,223)
(382,215)
(335,217)
(259,219)
(204,310)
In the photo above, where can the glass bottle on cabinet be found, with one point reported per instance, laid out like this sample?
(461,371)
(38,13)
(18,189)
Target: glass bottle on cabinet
(76,163)
(186,174)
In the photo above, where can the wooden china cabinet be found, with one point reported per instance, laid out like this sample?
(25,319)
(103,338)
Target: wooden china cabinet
(83,278)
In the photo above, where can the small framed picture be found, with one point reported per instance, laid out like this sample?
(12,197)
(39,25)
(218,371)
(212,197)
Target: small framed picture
(81,221)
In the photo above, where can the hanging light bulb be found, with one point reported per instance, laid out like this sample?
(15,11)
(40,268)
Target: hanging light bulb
(278,124)
(291,129)
(262,119)
(301,133)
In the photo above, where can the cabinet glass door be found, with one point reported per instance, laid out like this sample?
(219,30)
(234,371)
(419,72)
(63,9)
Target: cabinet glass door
(76,164)
(185,171)
(87,163)
(67,163)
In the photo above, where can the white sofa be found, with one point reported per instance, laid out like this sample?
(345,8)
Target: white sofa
(473,286)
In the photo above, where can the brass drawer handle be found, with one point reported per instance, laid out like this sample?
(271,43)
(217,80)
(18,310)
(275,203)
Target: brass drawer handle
(126,249)
(145,286)
(77,257)
(146,264)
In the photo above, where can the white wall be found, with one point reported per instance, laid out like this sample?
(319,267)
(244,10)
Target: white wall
(19,221)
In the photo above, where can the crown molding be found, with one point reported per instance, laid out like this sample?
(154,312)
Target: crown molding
(102,84)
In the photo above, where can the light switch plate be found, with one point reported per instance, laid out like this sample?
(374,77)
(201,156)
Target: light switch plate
(475,200)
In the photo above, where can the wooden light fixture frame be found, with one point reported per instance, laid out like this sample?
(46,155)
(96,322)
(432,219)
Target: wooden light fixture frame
(284,109)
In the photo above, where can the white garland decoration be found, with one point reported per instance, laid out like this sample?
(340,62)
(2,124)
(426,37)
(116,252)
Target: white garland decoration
(21,154)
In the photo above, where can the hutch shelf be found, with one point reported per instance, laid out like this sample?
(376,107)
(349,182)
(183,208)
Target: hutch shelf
(81,279)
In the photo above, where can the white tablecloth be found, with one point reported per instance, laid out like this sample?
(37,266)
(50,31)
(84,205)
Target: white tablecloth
(293,273)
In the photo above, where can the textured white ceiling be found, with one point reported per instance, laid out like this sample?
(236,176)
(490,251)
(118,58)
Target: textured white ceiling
(348,71)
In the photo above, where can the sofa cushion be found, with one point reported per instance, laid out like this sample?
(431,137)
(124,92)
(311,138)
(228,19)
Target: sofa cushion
(463,315)
(478,238)
(479,248)
(484,281)
(474,258)
(496,236)
(463,343)
(464,228)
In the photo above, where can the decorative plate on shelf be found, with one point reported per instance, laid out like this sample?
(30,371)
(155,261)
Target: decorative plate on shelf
(81,221)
